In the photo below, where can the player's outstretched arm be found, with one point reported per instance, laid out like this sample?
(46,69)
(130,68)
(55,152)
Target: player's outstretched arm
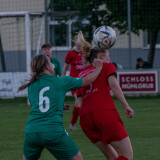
(97,63)
(120,96)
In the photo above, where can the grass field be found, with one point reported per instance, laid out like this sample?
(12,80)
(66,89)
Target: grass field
(143,129)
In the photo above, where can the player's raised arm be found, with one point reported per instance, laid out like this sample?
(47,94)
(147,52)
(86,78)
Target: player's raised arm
(97,63)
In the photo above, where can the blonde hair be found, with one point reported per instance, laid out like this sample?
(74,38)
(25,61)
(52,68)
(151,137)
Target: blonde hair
(89,53)
(86,46)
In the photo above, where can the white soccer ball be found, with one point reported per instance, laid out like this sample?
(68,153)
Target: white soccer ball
(104,37)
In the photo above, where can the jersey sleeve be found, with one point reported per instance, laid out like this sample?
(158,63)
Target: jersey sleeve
(109,69)
(71,83)
(68,58)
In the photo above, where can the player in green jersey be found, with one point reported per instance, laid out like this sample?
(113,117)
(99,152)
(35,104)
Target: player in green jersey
(46,94)
(47,50)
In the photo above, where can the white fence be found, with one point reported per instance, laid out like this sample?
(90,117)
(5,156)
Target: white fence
(9,83)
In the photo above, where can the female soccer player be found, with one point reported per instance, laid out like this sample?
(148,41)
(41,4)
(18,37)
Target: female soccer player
(46,94)
(99,118)
(47,50)
(74,58)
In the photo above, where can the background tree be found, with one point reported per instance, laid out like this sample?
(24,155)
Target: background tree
(145,15)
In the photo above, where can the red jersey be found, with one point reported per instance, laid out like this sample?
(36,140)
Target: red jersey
(74,58)
(97,95)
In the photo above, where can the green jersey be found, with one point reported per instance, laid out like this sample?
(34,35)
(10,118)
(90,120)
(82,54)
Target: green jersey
(46,96)
(57,66)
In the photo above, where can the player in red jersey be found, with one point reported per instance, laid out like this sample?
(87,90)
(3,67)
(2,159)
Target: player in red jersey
(99,118)
(74,59)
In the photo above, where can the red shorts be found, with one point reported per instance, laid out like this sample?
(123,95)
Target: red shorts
(73,92)
(103,125)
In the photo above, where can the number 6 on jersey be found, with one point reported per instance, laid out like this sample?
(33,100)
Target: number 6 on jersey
(44,98)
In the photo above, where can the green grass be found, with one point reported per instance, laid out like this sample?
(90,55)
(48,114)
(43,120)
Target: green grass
(143,129)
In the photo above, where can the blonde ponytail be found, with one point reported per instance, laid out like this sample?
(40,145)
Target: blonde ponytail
(89,54)
(86,46)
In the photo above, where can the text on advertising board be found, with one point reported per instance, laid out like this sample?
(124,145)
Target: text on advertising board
(138,82)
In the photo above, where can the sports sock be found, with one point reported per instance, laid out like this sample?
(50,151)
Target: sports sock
(121,158)
(75,115)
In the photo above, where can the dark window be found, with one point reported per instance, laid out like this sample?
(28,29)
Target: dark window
(58,35)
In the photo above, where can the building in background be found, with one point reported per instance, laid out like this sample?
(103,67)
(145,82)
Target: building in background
(60,35)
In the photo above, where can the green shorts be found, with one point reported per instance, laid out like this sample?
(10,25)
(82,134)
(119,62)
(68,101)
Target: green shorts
(62,147)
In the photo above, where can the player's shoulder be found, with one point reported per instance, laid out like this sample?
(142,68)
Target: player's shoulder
(64,78)
(71,52)
(67,79)
(108,65)
(54,60)
(86,71)
(47,77)
(43,79)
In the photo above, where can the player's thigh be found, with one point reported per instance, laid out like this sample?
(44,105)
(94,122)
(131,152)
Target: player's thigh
(32,147)
(62,147)
(24,158)
(123,148)
(108,151)
(78,156)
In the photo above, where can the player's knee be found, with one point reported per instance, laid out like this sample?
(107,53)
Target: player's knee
(130,155)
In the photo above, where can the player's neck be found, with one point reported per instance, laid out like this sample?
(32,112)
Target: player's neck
(46,72)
